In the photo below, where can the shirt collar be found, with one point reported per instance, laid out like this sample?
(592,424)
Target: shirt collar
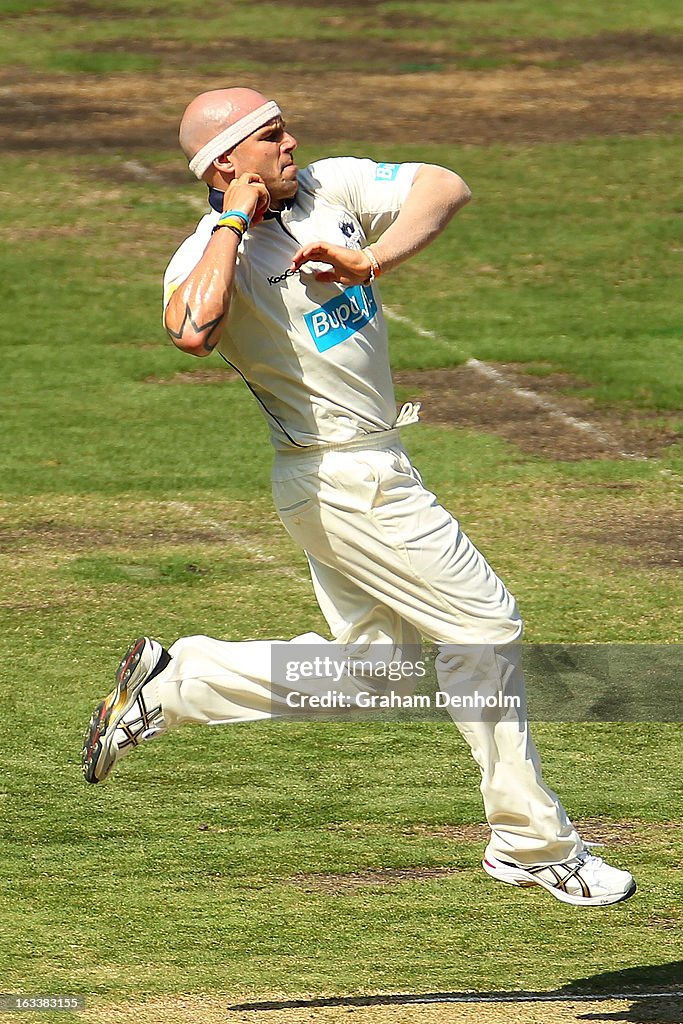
(216,203)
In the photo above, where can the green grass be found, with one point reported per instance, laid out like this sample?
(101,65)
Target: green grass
(49,36)
(134,502)
(191,851)
(587,286)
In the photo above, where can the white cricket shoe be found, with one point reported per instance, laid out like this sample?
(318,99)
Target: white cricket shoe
(130,714)
(584,881)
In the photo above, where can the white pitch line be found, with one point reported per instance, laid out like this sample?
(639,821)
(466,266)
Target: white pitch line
(253,550)
(556,411)
(549,998)
(139,170)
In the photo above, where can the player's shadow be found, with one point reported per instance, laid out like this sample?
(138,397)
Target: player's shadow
(654,992)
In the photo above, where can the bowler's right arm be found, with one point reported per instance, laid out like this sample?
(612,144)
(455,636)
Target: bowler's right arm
(196,311)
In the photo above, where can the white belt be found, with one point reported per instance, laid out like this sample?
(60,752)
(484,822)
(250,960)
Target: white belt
(409,413)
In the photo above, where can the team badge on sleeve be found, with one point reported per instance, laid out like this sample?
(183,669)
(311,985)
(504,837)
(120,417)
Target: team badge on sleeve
(386,172)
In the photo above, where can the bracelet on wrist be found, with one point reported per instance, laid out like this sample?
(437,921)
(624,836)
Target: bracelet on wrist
(375,268)
(237,213)
(231,227)
(237,220)
(234,223)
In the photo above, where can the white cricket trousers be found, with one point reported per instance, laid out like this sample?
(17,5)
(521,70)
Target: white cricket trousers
(388,565)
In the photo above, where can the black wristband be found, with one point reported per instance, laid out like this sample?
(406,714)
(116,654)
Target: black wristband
(234,230)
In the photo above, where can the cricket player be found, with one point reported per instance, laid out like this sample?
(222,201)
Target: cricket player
(281,276)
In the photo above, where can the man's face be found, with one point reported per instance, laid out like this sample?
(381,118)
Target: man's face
(268,152)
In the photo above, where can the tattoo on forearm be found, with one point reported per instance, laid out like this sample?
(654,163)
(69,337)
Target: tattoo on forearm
(210,326)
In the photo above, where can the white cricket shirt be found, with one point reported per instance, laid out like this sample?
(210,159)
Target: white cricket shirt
(315,355)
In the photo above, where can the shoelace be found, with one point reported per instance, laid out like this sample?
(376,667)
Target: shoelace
(590,861)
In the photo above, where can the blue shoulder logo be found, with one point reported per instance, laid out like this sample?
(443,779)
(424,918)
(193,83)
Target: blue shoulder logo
(386,172)
(341,317)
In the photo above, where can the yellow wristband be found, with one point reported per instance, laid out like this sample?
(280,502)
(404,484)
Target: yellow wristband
(229,220)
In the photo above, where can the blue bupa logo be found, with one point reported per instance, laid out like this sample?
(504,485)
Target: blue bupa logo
(386,172)
(341,317)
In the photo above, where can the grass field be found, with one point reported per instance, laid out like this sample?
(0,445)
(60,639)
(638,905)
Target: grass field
(292,862)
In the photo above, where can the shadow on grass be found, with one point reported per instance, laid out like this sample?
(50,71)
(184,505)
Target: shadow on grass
(655,993)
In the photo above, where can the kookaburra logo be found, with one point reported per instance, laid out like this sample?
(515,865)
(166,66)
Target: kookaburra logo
(282,277)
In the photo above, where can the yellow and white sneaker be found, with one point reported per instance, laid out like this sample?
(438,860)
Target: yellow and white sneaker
(130,714)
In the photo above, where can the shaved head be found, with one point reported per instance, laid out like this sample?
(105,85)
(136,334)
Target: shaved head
(226,133)
(212,112)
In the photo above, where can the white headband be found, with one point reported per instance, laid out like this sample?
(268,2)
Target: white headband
(231,136)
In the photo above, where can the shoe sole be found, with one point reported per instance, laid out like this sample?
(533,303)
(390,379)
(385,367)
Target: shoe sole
(96,758)
(521,879)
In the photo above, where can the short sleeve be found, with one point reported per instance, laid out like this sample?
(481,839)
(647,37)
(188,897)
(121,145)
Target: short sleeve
(374,192)
(187,257)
